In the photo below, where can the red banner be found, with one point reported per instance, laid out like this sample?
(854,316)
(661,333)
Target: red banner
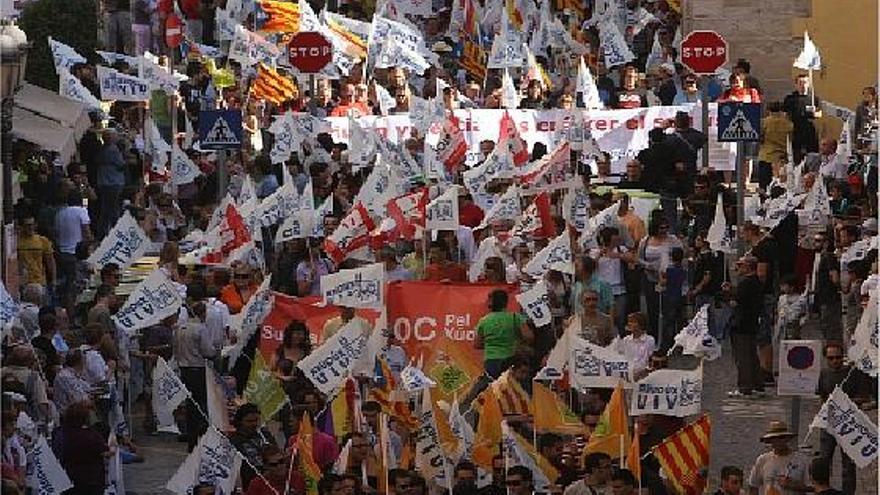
(437,322)
(310,310)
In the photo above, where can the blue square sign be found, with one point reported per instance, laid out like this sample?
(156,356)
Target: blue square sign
(739,122)
(220,129)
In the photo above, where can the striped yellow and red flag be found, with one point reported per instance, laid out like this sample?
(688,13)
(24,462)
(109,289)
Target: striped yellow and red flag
(512,397)
(684,456)
(473,60)
(277,17)
(384,392)
(353,44)
(272,86)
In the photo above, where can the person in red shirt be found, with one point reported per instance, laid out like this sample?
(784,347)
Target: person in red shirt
(441,268)
(347,102)
(469,214)
(739,92)
(275,469)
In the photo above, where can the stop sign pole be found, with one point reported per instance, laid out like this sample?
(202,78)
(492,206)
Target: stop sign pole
(704,52)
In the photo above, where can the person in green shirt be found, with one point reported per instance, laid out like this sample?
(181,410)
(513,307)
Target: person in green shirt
(500,333)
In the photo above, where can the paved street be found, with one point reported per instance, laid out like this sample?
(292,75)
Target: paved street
(736,426)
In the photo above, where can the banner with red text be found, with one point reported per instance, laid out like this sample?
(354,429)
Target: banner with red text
(622,133)
(437,322)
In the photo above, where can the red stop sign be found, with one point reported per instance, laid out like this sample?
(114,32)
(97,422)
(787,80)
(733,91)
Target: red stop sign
(309,52)
(173,31)
(703,51)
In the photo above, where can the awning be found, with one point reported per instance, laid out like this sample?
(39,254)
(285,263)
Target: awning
(45,133)
(49,120)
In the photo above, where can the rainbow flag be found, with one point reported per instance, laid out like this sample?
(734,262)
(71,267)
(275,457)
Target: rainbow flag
(307,465)
(276,17)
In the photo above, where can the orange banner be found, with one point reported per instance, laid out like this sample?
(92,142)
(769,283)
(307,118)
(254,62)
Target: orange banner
(437,322)
(310,310)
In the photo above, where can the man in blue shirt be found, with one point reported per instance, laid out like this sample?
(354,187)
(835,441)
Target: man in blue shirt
(111,180)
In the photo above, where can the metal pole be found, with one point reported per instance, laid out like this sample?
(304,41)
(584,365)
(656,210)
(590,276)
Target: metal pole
(704,97)
(6,146)
(221,175)
(795,418)
(740,195)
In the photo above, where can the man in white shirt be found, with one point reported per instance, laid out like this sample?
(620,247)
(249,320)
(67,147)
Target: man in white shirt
(780,471)
(597,471)
(832,165)
(71,228)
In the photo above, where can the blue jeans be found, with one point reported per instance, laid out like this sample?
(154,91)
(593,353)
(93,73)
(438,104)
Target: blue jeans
(494,367)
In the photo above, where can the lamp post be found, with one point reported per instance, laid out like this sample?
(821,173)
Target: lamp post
(13,59)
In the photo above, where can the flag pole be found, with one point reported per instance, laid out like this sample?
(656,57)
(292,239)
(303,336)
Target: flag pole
(812,91)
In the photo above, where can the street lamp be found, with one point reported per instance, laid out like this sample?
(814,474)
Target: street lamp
(13,58)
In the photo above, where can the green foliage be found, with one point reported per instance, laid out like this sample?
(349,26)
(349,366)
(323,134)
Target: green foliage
(73,22)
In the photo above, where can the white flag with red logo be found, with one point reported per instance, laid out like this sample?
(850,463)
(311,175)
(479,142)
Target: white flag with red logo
(353,233)
(551,170)
(232,233)
(452,147)
(510,140)
(536,220)
(408,213)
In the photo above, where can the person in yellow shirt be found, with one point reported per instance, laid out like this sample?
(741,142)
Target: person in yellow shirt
(776,129)
(36,254)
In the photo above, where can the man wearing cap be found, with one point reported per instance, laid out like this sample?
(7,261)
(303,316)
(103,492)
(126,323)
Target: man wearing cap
(780,471)
(747,304)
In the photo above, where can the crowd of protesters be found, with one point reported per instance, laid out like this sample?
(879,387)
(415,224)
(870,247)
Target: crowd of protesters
(76,376)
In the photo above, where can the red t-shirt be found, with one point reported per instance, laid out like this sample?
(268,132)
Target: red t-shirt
(744,95)
(470,215)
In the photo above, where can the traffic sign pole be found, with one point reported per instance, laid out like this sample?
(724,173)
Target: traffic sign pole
(740,196)
(704,96)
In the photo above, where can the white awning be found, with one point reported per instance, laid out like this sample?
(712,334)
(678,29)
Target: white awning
(45,103)
(49,120)
(45,133)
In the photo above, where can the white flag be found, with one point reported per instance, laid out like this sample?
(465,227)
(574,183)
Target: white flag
(718,230)
(614,46)
(362,145)
(669,392)
(557,255)
(381,186)
(854,431)
(44,473)
(507,47)
(863,351)
(590,365)
(442,212)
(64,56)
(183,170)
(605,218)
(809,58)
(218,411)
(116,86)
(327,366)
(576,208)
(8,307)
(508,207)
(115,483)
(413,379)
(859,250)
(386,100)
(112,58)
(355,288)
(214,461)
(168,392)
(71,87)
(157,76)
(509,95)
(488,248)
(536,304)
(430,459)
(153,300)
(248,48)
(517,455)
(123,245)
(156,147)
(694,339)
(586,86)
(245,324)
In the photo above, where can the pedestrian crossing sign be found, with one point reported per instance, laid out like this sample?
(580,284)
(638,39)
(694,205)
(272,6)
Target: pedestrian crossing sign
(739,122)
(219,129)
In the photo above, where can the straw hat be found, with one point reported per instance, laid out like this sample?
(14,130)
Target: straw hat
(777,429)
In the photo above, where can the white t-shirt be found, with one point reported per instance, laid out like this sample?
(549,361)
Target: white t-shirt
(68,227)
(769,467)
(637,351)
(610,270)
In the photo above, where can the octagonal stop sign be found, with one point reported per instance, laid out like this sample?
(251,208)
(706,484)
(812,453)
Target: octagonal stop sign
(704,52)
(309,52)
